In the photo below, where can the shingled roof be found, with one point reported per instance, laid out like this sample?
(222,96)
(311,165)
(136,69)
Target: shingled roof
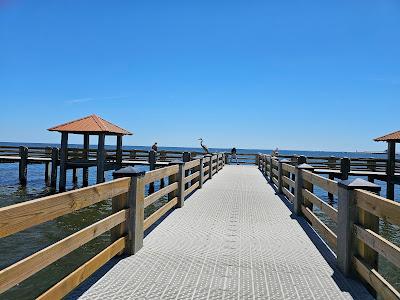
(92,124)
(394,136)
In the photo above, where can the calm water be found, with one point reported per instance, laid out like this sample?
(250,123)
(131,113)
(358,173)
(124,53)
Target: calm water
(20,245)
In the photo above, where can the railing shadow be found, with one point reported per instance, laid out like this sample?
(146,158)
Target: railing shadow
(350,285)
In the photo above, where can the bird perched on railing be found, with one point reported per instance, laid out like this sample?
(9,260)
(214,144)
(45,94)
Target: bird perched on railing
(205,148)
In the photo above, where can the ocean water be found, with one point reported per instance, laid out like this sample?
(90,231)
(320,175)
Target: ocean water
(22,244)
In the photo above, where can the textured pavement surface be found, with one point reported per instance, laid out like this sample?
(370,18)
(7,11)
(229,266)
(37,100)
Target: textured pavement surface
(233,239)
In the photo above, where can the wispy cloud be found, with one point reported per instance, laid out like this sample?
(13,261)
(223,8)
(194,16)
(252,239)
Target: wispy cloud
(78,100)
(391,81)
(88,99)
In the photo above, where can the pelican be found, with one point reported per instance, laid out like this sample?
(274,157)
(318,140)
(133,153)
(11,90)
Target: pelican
(205,148)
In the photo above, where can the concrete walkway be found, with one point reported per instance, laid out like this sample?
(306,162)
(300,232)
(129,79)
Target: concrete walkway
(234,239)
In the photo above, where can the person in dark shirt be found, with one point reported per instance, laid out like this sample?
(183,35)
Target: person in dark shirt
(234,155)
(154,147)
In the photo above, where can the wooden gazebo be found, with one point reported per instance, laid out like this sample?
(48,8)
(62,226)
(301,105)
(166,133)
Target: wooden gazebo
(90,125)
(391,139)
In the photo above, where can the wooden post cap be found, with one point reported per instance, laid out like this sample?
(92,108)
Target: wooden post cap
(286,161)
(301,159)
(128,172)
(305,167)
(358,183)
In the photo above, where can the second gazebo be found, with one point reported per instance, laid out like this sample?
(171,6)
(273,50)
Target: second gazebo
(90,125)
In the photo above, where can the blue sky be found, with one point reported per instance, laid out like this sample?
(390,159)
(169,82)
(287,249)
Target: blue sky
(314,75)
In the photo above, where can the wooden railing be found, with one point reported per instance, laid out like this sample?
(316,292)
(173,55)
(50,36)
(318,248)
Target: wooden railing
(126,222)
(9,151)
(356,239)
(336,163)
(242,158)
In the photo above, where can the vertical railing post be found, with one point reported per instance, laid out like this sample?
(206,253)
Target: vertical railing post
(210,174)
(186,156)
(344,168)
(163,155)
(271,168)
(135,203)
(347,217)
(299,184)
(201,178)
(280,174)
(226,158)
(216,169)
(265,157)
(23,164)
(179,178)
(54,164)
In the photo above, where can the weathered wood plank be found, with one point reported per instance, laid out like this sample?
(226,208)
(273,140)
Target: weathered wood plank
(373,278)
(160,193)
(192,176)
(25,268)
(191,164)
(324,230)
(288,194)
(17,217)
(288,168)
(384,247)
(159,213)
(322,205)
(160,173)
(379,206)
(288,181)
(191,189)
(67,284)
(328,185)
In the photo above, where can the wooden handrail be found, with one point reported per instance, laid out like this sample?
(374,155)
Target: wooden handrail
(160,193)
(67,284)
(17,217)
(25,268)
(378,206)
(328,185)
(322,205)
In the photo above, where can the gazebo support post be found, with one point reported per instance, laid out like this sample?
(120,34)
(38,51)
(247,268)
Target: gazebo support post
(85,170)
(119,151)
(63,161)
(101,157)
(390,169)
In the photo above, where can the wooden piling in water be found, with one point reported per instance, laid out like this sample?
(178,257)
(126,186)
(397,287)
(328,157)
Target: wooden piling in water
(23,164)
(63,161)
(54,163)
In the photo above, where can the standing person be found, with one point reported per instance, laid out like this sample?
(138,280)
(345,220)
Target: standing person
(234,155)
(154,147)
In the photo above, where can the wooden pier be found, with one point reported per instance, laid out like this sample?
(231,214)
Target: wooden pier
(243,232)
